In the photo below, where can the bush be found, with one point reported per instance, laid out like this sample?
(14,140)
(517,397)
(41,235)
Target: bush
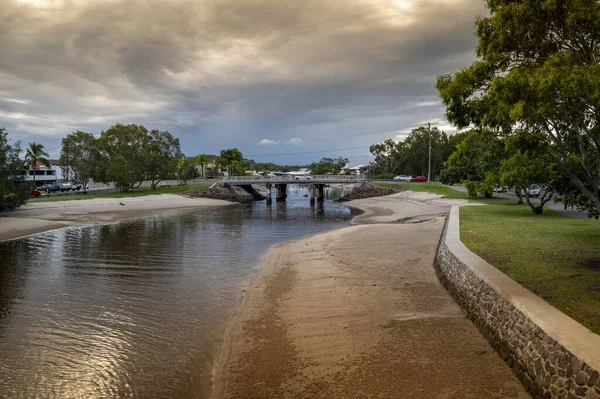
(471,187)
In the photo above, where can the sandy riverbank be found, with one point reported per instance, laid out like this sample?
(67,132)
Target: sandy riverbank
(43,216)
(359,312)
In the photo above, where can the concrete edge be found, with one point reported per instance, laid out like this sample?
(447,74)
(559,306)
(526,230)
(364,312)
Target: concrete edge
(578,339)
(553,355)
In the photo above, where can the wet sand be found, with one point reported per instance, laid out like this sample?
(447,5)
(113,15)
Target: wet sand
(359,312)
(38,217)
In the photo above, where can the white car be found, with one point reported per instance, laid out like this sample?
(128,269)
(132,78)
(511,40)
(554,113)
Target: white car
(534,190)
(302,177)
(403,178)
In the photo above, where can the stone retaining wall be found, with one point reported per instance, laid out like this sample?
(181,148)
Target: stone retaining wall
(553,355)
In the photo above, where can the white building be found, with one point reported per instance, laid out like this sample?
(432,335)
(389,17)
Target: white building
(43,174)
(355,169)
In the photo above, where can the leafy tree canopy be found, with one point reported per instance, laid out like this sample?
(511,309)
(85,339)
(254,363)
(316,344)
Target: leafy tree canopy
(411,156)
(538,69)
(475,162)
(13,190)
(163,153)
(328,165)
(529,161)
(140,154)
(79,156)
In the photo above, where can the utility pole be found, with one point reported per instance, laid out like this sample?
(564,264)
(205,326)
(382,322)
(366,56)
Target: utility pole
(429,168)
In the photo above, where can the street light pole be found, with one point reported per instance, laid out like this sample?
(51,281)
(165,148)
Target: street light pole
(429,168)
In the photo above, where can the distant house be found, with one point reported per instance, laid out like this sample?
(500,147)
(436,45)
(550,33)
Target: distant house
(354,169)
(210,170)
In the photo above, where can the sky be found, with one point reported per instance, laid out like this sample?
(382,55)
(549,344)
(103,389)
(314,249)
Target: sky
(285,81)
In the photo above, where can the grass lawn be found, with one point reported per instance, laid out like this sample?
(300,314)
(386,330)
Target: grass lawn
(555,256)
(139,192)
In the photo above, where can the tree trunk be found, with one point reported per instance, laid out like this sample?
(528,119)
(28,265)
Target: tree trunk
(538,209)
(154,184)
(519,195)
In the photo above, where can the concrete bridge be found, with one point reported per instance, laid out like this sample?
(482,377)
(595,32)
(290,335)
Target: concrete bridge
(280,183)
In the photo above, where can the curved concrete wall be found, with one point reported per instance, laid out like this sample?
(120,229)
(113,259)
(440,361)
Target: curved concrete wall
(552,354)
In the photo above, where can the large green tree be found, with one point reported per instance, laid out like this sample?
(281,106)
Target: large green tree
(529,160)
(390,156)
(476,162)
(79,156)
(162,154)
(35,155)
(328,165)
(13,189)
(186,169)
(229,157)
(538,69)
(140,154)
(411,156)
(126,146)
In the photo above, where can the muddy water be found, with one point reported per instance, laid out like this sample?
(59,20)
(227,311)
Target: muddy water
(135,309)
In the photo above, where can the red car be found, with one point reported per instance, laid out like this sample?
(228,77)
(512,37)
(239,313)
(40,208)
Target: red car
(35,194)
(419,179)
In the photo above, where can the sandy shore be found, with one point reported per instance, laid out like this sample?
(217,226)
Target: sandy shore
(359,312)
(43,216)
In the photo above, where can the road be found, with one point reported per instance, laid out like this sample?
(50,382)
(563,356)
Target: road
(558,207)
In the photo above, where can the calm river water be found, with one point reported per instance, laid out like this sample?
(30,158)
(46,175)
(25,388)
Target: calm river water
(135,309)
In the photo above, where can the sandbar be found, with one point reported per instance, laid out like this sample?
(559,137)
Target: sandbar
(358,312)
(38,217)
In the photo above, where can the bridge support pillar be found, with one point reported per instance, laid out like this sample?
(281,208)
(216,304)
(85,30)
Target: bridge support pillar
(270,195)
(318,194)
(280,192)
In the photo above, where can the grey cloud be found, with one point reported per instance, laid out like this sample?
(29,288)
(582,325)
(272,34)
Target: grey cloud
(222,72)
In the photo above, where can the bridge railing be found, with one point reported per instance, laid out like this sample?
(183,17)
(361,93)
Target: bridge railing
(241,179)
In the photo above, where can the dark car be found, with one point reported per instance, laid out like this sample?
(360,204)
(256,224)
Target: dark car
(419,179)
(49,188)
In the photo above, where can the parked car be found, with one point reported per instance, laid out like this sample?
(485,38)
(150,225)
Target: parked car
(403,178)
(419,179)
(35,194)
(49,188)
(534,190)
(500,189)
(68,186)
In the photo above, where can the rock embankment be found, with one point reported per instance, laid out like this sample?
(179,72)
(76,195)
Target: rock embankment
(367,190)
(225,192)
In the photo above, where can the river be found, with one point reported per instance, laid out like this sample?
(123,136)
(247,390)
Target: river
(136,309)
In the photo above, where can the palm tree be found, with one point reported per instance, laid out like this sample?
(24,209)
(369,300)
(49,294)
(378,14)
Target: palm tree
(230,156)
(202,160)
(36,154)
(219,162)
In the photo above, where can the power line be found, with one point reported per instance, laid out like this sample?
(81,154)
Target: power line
(309,152)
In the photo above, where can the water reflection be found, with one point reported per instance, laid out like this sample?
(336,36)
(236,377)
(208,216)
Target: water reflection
(135,309)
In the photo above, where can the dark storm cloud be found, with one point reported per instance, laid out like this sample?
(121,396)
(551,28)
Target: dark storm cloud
(219,73)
